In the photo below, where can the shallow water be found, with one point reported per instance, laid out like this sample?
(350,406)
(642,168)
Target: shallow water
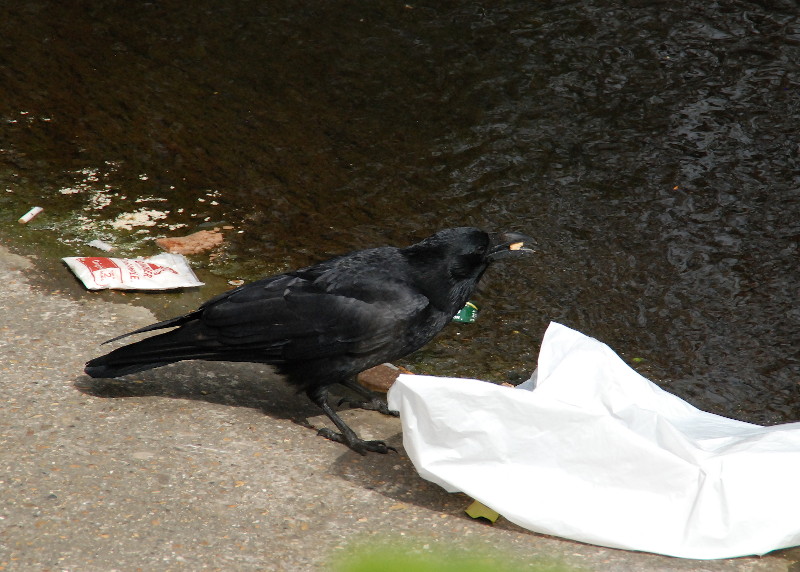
(651,148)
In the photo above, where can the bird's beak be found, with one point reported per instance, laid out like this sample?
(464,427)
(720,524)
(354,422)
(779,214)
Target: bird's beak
(510,243)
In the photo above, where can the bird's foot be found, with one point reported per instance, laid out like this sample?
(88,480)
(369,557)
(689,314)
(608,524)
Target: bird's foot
(358,445)
(375,404)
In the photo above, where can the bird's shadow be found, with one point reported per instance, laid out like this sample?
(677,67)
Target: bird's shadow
(238,384)
(251,385)
(260,387)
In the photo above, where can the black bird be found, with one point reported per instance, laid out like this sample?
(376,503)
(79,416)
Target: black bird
(323,324)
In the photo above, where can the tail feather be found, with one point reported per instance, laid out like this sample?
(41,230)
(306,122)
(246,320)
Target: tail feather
(107,370)
(192,341)
(149,353)
(171,323)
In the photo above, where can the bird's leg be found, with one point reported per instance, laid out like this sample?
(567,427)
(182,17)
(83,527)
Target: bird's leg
(373,403)
(319,395)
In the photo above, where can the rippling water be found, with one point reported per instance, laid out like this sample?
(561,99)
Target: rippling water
(652,147)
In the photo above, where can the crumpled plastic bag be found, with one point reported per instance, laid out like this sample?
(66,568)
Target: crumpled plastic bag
(599,454)
(160,272)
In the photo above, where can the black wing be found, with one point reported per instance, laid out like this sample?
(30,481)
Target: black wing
(324,311)
(295,318)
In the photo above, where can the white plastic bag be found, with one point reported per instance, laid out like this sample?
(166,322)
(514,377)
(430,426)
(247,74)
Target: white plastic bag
(161,272)
(597,453)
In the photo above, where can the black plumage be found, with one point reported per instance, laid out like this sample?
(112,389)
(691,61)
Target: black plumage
(323,324)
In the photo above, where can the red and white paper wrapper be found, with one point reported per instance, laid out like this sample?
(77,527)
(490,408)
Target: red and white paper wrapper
(161,272)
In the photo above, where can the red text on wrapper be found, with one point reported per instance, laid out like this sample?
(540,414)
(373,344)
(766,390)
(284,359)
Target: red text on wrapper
(107,271)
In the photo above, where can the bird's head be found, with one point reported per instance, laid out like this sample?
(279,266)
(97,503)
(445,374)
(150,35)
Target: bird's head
(468,251)
(454,259)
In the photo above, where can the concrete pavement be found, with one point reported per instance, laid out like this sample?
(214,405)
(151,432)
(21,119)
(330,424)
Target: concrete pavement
(210,467)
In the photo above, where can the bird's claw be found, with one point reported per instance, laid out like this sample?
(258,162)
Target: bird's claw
(372,405)
(358,445)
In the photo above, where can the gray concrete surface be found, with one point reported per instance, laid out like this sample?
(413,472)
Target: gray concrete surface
(210,467)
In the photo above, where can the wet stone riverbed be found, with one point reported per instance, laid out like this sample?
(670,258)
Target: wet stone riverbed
(651,147)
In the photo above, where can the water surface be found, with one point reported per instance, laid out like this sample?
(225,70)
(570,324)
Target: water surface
(651,147)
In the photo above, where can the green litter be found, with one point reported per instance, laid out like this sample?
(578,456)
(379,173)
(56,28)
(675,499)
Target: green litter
(467,315)
(480,510)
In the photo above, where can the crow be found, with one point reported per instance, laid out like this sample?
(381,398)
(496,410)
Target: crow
(323,324)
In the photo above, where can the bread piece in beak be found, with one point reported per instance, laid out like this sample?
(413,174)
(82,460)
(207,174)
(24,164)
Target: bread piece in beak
(510,243)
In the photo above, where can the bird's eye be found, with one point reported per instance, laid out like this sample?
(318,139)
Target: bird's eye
(480,250)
